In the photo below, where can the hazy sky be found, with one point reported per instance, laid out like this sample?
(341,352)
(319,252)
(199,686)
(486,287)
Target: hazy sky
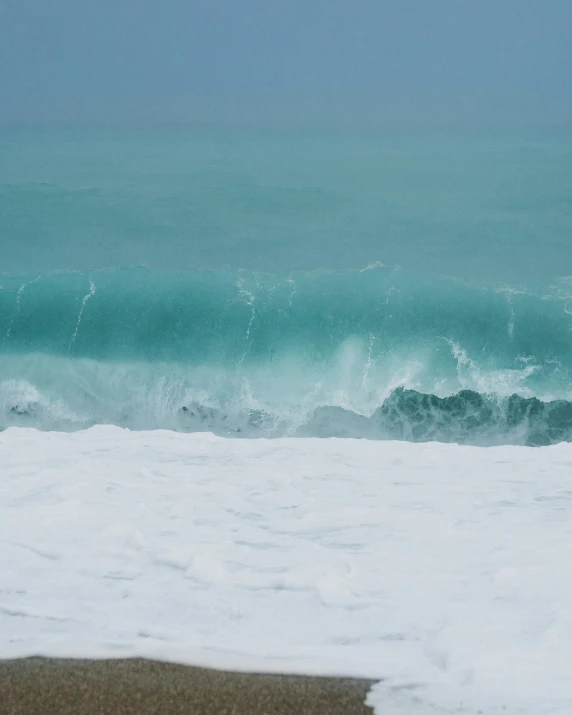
(368,61)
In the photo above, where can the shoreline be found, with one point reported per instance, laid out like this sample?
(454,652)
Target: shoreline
(52,686)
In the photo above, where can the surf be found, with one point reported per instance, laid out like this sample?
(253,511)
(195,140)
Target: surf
(381,353)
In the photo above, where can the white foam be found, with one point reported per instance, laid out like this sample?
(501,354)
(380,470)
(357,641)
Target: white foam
(85,298)
(440,570)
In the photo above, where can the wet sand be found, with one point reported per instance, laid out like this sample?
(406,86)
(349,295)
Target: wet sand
(42,686)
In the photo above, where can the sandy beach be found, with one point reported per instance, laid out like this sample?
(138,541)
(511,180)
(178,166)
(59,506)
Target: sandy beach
(42,686)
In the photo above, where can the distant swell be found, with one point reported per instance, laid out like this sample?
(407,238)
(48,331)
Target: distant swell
(378,353)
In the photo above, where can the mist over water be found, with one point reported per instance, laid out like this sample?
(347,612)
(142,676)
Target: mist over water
(399,63)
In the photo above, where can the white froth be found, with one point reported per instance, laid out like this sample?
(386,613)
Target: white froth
(440,570)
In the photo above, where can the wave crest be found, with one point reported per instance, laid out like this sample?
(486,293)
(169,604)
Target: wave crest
(379,353)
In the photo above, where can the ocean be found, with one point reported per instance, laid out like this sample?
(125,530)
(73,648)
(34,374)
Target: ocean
(292,402)
(267,284)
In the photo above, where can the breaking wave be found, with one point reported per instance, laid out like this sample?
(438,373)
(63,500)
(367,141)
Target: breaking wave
(378,353)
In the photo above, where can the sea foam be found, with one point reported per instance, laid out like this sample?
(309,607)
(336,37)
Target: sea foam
(438,569)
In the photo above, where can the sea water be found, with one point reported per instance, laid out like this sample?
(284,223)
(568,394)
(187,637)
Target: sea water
(394,286)
(290,286)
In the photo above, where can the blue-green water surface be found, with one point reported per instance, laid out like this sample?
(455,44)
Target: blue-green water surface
(262,284)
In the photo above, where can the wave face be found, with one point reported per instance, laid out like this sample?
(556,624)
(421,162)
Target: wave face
(377,353)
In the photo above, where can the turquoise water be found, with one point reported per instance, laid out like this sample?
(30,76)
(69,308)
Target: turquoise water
(383,286)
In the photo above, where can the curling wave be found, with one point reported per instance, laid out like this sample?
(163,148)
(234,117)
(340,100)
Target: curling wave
(378,353)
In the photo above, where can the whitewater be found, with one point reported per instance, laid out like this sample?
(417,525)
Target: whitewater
(292,402)
(438,569)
